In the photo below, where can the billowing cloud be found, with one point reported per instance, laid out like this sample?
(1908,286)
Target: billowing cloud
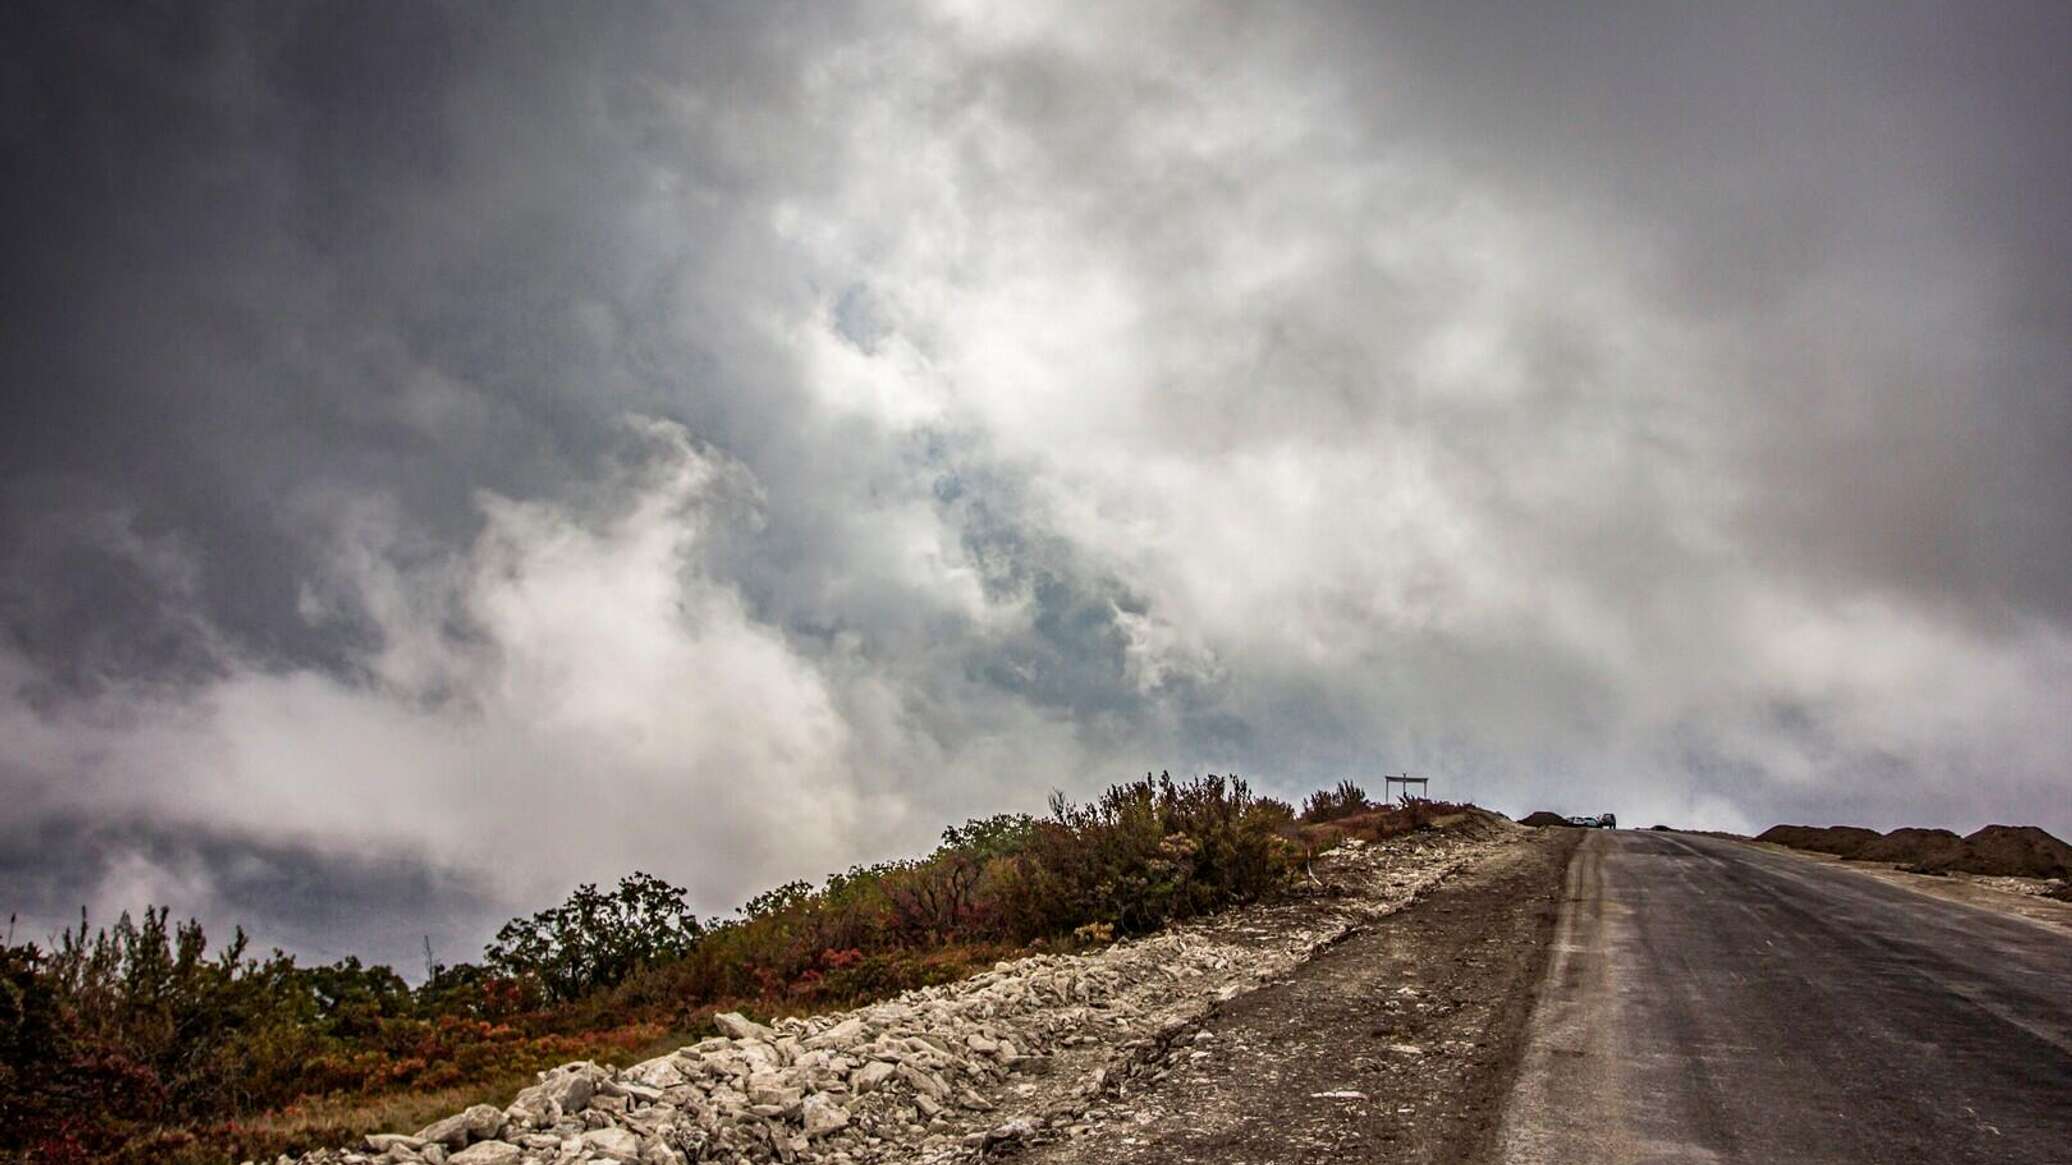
(497,448)
(571,695)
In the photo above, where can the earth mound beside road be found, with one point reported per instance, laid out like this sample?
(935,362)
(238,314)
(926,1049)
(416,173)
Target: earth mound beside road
(1840,840)
(2002,851)
(2020,851)
(1543,818)
(1914,847)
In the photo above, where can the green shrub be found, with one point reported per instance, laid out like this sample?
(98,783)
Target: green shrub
(1332,804)
(1144,854)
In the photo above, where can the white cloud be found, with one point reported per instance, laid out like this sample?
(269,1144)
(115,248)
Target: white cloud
(1346,413)
(1061,394)
(568,698)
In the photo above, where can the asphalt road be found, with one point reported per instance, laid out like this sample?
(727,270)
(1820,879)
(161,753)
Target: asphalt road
(1710,1001)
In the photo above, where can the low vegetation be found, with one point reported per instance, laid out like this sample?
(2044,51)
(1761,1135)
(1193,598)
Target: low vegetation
(136,1042)
(1332,804)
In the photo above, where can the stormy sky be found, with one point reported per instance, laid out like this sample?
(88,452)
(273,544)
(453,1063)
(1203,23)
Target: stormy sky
(453,452)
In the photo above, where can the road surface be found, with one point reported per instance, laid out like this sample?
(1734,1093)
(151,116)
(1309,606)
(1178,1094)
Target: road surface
(1712,1001)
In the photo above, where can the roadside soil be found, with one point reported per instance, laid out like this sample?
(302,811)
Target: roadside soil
(2018,897)
(1399,1042)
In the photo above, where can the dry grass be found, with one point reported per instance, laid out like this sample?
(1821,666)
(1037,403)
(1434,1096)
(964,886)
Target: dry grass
(341,1120)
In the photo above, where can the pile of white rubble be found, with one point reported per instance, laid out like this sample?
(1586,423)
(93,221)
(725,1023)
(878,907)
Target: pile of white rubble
(1010,1056)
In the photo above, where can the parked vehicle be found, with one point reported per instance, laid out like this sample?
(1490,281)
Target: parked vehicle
(1607,821)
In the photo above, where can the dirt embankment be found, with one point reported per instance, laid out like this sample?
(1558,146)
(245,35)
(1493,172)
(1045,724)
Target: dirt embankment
(1910,846)
(1543,817)
(1840,840)
(2013,851)
(2020,851)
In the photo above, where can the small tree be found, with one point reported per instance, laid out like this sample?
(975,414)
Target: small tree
(596,939)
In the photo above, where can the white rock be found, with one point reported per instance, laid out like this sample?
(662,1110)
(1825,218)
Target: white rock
(451,1130)
(871,1075)
(661,1072)
(840,1035)
(479,1123)
(759,1054)
(772,1090)
(488,1153)
(618,1144)
(823,1116)
(925,1082)
(741,1027)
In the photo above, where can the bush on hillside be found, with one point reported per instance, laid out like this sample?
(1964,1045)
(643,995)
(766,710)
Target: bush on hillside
(594,940)
(1332,804)
(1147,853)
(138,1043)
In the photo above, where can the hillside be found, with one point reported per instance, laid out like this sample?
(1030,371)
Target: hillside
(1015,1055)
(139,1043)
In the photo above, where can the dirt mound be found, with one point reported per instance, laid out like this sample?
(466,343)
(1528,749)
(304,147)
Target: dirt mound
(1842,840)
(2021,851)
(1543,818)
(1910,846)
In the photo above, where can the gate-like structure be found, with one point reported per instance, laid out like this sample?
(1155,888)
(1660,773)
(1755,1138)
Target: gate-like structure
(1389,783)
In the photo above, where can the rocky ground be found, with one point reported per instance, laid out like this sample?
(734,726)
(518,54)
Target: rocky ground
(1094,1055)
(1398,1043)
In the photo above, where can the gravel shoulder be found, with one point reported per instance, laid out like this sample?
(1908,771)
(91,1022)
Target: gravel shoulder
(2015,897)
(1398,1042)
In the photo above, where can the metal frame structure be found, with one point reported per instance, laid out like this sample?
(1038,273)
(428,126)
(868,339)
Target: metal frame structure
(1406,780)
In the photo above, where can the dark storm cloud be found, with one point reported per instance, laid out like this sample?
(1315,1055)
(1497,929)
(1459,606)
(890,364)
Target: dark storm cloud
(258,252)
(324,904)
(1661,405)
(272,263)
